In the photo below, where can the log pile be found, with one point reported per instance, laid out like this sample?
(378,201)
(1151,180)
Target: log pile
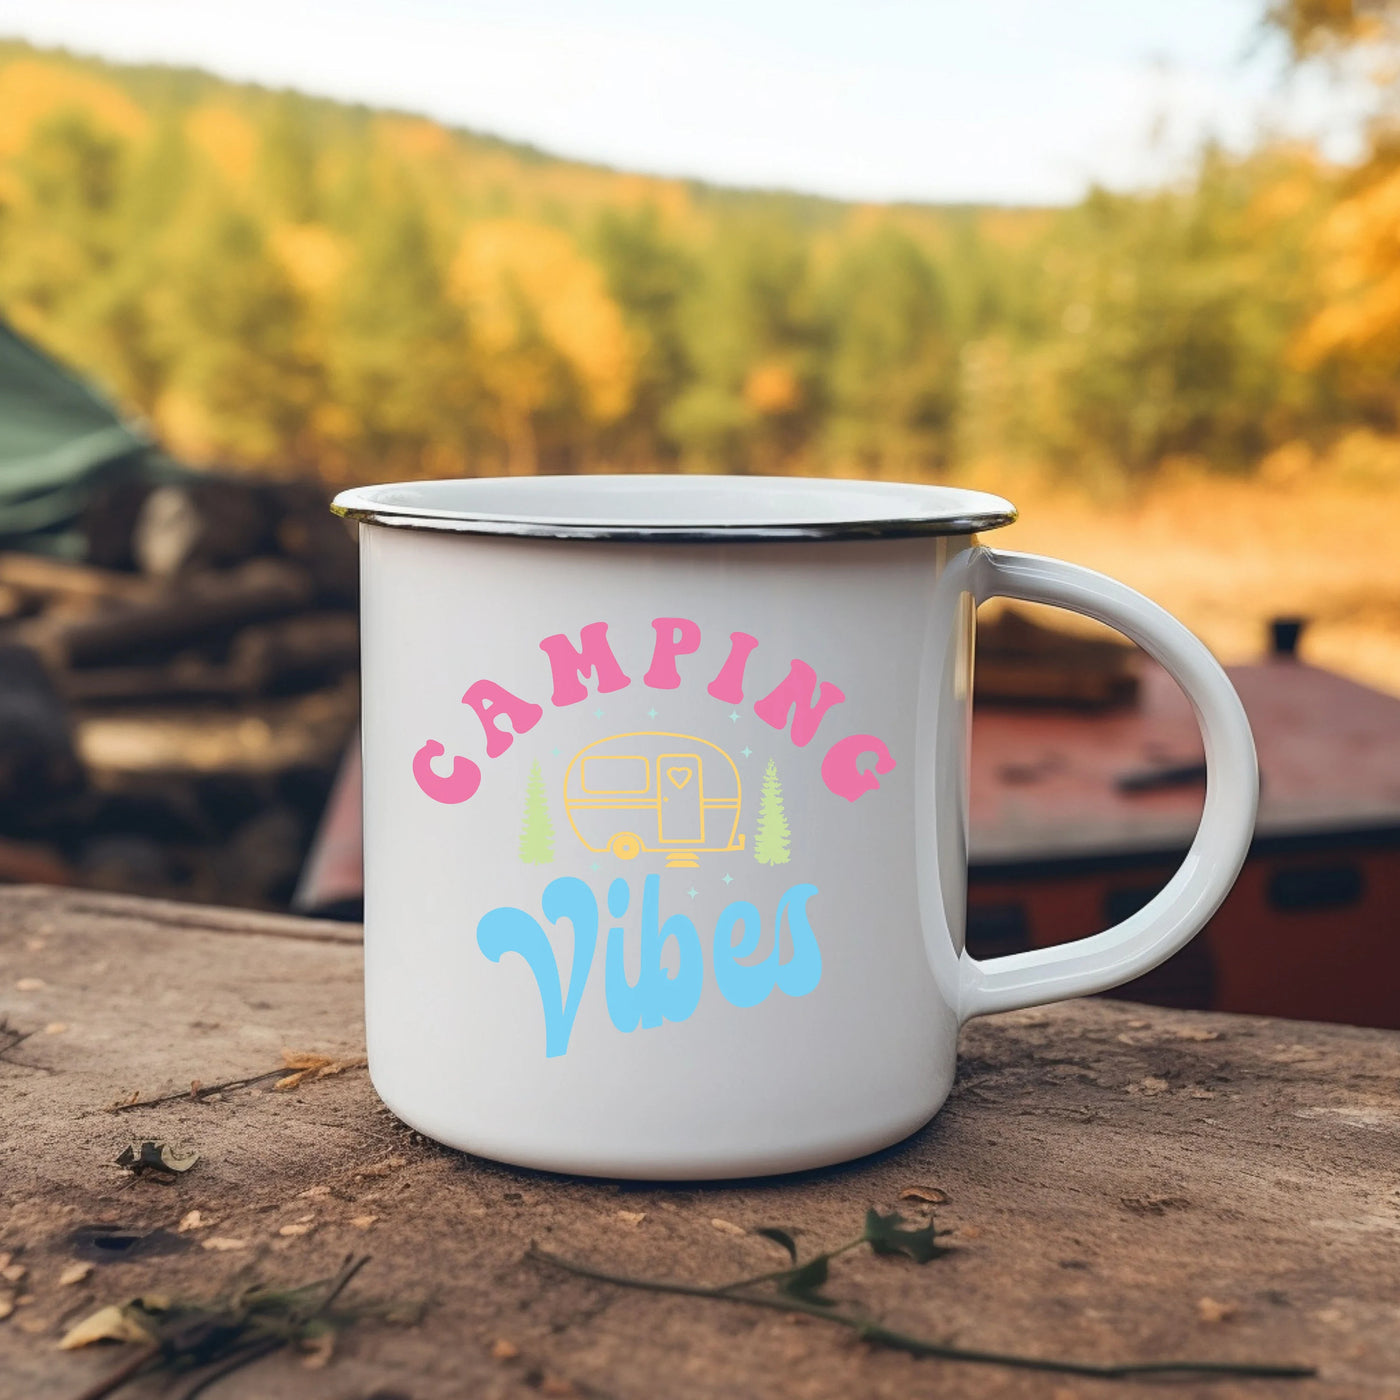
(174,706)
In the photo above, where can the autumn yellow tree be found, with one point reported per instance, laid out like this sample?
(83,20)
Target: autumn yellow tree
(551,343)
(1354,334)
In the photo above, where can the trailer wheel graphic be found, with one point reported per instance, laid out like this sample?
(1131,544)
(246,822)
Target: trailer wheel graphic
(626,846)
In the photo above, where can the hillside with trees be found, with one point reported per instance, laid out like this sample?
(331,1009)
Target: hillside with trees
(299,286)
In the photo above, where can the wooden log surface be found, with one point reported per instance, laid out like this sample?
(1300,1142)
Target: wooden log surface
(1123,1184)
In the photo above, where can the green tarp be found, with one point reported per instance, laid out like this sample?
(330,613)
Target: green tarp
(59,442)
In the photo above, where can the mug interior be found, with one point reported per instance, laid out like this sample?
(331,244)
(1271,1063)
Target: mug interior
(644,506)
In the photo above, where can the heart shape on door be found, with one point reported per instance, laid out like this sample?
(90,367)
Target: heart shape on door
(679,776)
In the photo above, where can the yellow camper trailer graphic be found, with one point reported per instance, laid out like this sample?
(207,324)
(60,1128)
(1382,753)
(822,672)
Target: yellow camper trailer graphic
(671,793)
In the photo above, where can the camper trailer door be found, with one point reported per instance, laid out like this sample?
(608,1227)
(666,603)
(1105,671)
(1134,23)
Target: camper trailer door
(680,782)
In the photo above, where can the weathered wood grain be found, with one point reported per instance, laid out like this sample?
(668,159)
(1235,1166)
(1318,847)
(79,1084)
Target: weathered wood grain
(1108,1167)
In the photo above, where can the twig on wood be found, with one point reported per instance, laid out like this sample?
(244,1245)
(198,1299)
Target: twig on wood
(297,1066)
(233,1363)
(196,1091)
(10,1036)
(114,1380)
(874,1332)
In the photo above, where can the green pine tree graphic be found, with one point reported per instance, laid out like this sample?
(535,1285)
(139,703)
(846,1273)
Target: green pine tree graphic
(536,832)
(770,844)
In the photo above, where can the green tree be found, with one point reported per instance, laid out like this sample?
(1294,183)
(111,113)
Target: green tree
(537,831)
(648,276)
(1174,321)
(59,237)
(243,384)
(890,371)
(287,157)
(753,333)
(398,356)
(771,841)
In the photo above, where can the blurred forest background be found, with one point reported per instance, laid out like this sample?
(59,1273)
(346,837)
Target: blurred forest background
(1196,388)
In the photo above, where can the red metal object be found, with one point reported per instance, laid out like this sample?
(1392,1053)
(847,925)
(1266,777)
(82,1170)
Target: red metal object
(332,881)
(1063,846)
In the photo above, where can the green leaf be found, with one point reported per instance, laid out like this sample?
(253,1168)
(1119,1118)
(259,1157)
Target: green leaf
(804,1283)
(884,1235)
(780,1237)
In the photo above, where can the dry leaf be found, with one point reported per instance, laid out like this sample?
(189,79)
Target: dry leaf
(299,1228)
(5,1257)
(383,1168)
(363,1222)
(30,984)
(56,1027)
(305,1064)
(1209,1310)
(314,1192)
(109,1324)
(632,1217)
(970,1232)
(192,1220)
(504,1350)
(223,1243)
(1195,1033)
(74,1273)
(1149,1085)
(12,1273)
(728,1227)
(7,1306)
(931,1194)
(556,1385)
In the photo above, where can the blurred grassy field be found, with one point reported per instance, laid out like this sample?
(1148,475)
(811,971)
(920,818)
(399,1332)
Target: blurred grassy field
(1226,555)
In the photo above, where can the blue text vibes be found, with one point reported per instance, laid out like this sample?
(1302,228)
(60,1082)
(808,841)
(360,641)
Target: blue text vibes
(657,995)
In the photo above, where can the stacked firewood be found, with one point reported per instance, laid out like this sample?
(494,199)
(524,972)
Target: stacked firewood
(173,706)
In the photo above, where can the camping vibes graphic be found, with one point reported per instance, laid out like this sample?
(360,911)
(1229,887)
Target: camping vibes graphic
(661,794)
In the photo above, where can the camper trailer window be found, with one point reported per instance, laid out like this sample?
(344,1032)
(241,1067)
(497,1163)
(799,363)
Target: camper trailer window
(616,773)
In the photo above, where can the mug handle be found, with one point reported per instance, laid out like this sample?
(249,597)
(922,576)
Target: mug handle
(1202,881)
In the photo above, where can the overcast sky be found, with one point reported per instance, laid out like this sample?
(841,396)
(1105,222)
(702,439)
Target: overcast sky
(1002,100)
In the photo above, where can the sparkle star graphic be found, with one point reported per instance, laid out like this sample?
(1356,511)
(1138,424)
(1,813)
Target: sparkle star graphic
(728,879)
(734,716)
(593,865)
(692,892)
(651,713)
(597,714)
(746,751)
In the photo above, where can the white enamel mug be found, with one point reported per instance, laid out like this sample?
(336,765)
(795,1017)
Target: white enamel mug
(666,813)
